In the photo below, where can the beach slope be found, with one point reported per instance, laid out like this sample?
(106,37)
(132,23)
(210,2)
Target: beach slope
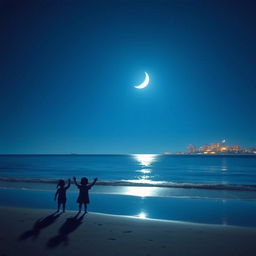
(41,232)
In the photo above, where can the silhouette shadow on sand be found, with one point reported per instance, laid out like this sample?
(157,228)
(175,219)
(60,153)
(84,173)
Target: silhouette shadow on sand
(69,226)
(39,225)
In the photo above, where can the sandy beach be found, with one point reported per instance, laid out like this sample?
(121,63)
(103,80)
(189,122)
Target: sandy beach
(43,232)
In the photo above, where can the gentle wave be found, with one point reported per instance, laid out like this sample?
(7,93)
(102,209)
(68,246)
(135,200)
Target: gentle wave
(144,183)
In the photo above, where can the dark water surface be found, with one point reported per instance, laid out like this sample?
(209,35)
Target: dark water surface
(170,170)
(204,189)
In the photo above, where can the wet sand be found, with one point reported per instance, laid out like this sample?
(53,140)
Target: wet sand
(42,232)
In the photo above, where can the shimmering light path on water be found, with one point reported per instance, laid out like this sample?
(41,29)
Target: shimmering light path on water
(147,168)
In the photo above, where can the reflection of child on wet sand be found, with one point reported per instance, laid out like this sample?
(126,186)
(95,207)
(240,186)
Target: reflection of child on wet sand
(83,197)
(61,194)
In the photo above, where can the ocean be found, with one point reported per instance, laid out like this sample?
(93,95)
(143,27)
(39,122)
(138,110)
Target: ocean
(173,187)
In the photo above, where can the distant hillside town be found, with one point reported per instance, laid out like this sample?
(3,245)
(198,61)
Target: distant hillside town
(217,148)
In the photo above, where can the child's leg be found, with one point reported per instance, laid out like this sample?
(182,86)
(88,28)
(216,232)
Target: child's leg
(64,207)
(80,206)
(85,207)
(58,206)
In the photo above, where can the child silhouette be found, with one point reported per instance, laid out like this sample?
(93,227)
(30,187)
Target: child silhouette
(83,198)
(61,194)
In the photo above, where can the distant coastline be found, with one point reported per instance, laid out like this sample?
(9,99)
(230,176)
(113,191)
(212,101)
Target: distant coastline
(165,154)
(210,154)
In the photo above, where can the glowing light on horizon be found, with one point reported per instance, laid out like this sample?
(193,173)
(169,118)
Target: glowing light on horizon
(145,159)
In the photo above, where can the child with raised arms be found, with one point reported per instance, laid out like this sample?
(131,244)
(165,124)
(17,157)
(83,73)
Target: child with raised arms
(61,194)
(83,198)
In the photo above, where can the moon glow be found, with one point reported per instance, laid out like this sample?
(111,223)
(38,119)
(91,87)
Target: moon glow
(145,82)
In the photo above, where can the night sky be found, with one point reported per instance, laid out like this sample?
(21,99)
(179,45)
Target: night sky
(68,70)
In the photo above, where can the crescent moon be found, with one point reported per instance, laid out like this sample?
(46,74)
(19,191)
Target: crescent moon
(145,83)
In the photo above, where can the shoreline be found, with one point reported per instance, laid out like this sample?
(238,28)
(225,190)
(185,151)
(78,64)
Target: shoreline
(25,230)
(50,183)
(189,210)
(166,221)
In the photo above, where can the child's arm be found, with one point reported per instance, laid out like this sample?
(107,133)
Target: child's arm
(74,178)
(57,192)
(68,184)
(93,183)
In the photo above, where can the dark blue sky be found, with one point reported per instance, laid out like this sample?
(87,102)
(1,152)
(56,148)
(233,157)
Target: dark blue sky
(67,71)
